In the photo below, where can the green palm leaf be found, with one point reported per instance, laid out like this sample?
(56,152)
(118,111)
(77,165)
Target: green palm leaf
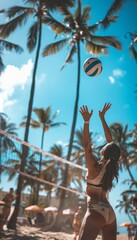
(93,28)
(69,57)
(2,66)
(10,46)
(133,51)
(86,15)
(55,4)
(115,7)
(17,10)
(95,48)
(54,47)
(109,40)
(77,15)
(107,21)
(112,10)
(32,36)
(55,25)
(8,28)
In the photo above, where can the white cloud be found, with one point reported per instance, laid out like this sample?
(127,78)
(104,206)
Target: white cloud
(100,138)
(59,142)
(118,72)
(12,78)
(112,79)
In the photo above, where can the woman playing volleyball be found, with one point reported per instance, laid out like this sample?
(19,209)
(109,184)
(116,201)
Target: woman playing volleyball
(100,175)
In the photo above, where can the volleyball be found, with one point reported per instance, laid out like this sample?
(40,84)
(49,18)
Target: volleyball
(92,67)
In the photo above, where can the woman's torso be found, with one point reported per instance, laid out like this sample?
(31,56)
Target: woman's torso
(94,185)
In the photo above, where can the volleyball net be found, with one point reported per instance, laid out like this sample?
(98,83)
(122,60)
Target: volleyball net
(51,168)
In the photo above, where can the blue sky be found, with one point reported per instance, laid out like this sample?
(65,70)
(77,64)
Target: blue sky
(55,88)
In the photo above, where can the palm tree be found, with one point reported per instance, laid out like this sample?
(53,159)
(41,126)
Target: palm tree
(133,44)
(45,122)
(125,204)
(78,146)
(9,46)
(124,138)
(5,142)
(18,15)
(31,168)
(76,29)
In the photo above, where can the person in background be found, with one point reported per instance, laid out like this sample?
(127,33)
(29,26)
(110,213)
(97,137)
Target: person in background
(77,222)
(8,199)
(100,216)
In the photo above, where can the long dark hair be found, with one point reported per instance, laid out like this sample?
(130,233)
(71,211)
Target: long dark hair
(112,153)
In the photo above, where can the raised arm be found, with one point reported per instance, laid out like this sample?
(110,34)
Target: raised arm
(103,121)
(90,161)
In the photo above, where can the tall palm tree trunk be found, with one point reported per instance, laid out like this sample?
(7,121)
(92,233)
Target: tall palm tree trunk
(40,163)
(12,222)
(75,112)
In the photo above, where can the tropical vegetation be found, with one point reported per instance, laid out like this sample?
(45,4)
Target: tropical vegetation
(74,30)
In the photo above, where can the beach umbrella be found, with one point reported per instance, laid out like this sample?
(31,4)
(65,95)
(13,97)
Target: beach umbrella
(51,209)
(34,208)
(68,211)
(127,224)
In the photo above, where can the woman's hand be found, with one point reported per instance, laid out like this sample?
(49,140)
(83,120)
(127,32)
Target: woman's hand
(85,113)
(104,110)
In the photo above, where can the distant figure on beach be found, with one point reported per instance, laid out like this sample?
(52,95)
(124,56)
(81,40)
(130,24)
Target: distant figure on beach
(8,199)
(100,215)
(40,220)
(77,222)
(135,206)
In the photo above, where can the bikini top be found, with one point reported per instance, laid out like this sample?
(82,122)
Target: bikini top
(96,182)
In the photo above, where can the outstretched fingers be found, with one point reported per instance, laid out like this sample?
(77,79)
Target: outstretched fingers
(107,105)
(85,112)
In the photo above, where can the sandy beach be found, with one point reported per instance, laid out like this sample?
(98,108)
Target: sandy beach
(29,233)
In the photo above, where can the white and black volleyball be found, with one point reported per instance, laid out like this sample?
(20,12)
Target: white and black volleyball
(92,67)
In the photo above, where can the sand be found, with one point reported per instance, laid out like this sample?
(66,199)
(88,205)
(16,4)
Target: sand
(34,233)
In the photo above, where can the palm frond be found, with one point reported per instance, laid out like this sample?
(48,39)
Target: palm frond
(32,36)
(54,47)
(57,124)
(95,48)
(109,40)
(133,52)
(2,11)
(56,4)
(77,15)
(10,46)
(115,7)
(55,25)
(17,10)
(107,21)
(86,14)
(109,18)
(40,113)
(93,28)
(8,28)
(31,2)
(2,66)
(70,56)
